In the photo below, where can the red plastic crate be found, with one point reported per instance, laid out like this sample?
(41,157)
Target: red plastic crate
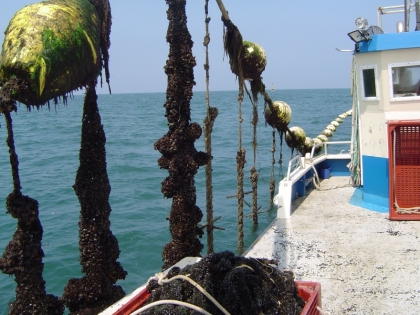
(309,291)
(404,168)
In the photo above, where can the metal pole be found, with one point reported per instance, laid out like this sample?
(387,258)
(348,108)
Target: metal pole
(407,15)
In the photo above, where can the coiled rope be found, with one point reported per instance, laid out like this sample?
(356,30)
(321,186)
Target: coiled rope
(354,165)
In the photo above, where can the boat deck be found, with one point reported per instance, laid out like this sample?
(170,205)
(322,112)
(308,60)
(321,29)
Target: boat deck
(366,264)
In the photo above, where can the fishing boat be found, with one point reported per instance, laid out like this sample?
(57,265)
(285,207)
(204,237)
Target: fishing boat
(348,212)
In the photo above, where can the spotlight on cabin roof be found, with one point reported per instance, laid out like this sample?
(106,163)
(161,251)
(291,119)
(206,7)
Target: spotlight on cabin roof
(359,35)
(361,23)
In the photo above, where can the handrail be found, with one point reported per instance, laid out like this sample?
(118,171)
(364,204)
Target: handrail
(289,166)
(293,160)
(325,145)
(391,10)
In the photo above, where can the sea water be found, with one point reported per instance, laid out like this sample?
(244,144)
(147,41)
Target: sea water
(47,141)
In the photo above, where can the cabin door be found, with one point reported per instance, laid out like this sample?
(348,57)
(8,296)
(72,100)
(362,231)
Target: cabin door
(404,170)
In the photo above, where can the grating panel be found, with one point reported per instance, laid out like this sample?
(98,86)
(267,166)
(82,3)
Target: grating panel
(407,186)
(404,165)
(407,145)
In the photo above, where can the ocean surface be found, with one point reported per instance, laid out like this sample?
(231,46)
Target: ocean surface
(48,141)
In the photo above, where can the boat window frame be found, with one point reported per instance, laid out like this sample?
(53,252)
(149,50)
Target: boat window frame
(391,81)
(362,78)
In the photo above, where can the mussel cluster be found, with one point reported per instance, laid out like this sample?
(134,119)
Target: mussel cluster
(241,285)
(179,155)
(99,249)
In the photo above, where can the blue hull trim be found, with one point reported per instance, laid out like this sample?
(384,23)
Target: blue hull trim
(374,195)
(368,201)
(375,176)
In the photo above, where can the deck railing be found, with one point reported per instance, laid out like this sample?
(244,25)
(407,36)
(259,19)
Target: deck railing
(298,162)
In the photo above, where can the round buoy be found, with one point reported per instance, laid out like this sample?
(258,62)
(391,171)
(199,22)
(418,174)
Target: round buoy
(317,141)
(254,61)
(327,132)
(307,147)
(278,115)
(330,127)
(322,137)
(297,140)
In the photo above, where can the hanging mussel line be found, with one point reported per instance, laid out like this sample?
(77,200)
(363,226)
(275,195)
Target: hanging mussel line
(23,255)
(45,57)
(179,155)
(272,177)
(247,60)
(98,247)
(211,114)
(234,50)
(255,61)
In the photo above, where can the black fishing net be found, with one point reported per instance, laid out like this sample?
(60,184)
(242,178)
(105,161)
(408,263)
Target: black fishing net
(241,285)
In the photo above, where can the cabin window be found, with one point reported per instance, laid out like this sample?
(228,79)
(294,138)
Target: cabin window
(369,82)
(404,81)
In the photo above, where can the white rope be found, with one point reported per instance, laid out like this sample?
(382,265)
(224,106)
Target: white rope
(161,281)
(412,210)
(317,182)
(180,303)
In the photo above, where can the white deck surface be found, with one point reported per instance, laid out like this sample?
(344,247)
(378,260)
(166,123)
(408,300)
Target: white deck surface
(366,264)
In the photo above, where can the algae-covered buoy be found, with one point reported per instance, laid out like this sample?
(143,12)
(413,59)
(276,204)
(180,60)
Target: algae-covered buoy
(316,142)
(330,127)
(308,145)
(254,60)
(54,46)
(297,140)
(322,137)
(278,115)
(327,132)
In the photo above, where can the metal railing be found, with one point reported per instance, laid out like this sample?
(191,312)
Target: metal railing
(392,10)
(325,145)
(296,163)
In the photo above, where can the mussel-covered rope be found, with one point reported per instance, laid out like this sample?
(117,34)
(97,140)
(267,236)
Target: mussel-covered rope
(212,113)
(272,176)
(179,155)
(23,255)
(240,164)
(14,161)
(254,174)
(234,49)
(98,246)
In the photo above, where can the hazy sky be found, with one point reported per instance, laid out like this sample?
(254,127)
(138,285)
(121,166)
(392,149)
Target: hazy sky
(299,38)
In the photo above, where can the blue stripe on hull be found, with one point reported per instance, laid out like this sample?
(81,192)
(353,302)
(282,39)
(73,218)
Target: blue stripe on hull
(375,176)
(374,195)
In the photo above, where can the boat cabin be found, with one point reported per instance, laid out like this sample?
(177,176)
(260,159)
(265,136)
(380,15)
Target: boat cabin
(386,134)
